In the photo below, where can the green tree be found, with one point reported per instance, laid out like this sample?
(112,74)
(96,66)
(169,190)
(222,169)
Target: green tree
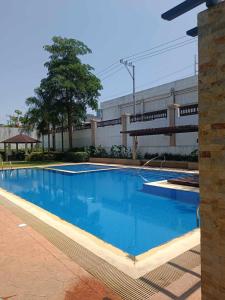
(70,82)
(17,119)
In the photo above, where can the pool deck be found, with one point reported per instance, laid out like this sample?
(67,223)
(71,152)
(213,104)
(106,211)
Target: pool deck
(32,268)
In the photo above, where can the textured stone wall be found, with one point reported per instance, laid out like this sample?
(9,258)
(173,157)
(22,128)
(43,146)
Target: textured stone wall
(212,150)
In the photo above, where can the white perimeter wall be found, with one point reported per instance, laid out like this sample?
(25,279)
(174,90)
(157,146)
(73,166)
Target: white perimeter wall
(153,99)
(110,135)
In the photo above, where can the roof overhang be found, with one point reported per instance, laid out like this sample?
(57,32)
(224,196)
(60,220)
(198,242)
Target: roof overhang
(162,130)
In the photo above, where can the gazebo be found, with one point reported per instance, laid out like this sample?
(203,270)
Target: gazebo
(19,139)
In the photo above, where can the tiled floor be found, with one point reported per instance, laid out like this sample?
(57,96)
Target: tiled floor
(31,268)
(188,287)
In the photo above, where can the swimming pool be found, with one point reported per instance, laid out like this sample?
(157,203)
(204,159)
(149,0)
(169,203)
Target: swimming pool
(82,167)
(112,205)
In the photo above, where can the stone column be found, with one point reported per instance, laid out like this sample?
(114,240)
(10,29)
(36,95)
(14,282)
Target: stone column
(93,132)
(134,148)
(6,151)
(172,119)
(26,150)
(9,150)
(211,24)
(124,127)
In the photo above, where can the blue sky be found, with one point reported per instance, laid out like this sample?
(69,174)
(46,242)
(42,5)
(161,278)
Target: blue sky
(111,28)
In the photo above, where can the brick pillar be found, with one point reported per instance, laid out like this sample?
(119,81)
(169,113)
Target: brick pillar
(93,132)
(124,126)
(211,25)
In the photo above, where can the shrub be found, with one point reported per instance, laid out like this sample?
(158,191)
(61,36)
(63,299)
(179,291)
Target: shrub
(193,157)
(98,151)
(36,156)
(58,156)
(76,156)
(78,149)
(41,156)
(20,155)
(120,152)
(2,154)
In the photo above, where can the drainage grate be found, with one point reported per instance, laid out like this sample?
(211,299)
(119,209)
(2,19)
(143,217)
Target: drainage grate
(125,286)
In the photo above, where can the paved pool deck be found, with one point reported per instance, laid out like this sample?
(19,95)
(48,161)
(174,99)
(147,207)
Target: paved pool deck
(32,268)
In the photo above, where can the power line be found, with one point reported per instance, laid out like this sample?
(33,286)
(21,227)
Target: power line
(153,81)
(166,76)
(114,67)
(155,47)
(110,75)
(107,69)
(153,54)
(164,50)
(115,63)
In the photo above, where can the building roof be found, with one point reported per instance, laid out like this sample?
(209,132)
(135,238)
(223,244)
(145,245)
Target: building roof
(162,130)
(20,139)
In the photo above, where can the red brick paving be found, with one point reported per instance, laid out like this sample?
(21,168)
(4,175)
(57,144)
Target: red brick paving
(32,268)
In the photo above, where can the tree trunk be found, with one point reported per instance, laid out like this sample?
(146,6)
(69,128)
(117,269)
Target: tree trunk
(43,146)
(48,138)
(70,128)
(53,137)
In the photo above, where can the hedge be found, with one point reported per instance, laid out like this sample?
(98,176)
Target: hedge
(76,156)
(59,156)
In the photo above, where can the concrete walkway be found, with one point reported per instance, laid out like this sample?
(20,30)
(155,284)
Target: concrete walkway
(32,268)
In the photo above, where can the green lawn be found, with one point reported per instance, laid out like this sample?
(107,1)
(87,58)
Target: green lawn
(28,164)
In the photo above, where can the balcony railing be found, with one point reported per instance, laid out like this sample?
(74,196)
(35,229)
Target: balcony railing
(189,110)
(109,122)
(149,116)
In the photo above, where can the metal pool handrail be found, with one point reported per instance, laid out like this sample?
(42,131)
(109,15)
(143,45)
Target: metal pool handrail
(145,164)
(150,160)
(198,216)
(9,163)
(163,161)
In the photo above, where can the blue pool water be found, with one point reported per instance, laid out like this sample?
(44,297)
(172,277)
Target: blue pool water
(113,205)
(82,167)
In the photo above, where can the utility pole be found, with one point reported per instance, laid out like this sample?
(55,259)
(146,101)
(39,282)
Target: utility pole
(128,66)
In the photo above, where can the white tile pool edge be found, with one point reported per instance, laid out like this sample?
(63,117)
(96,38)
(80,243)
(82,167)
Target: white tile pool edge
(112,165)
(143,264)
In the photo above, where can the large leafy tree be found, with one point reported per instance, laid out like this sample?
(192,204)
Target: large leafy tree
(71,83)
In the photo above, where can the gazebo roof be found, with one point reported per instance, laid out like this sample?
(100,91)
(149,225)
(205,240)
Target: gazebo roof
(20,139)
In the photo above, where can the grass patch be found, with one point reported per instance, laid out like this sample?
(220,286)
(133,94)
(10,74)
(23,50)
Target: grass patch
(29,164)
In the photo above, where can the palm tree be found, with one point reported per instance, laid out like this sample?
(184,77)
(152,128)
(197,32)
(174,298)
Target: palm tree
(39,113)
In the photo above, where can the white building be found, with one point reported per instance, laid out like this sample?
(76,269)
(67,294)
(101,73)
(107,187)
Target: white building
(155,107)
